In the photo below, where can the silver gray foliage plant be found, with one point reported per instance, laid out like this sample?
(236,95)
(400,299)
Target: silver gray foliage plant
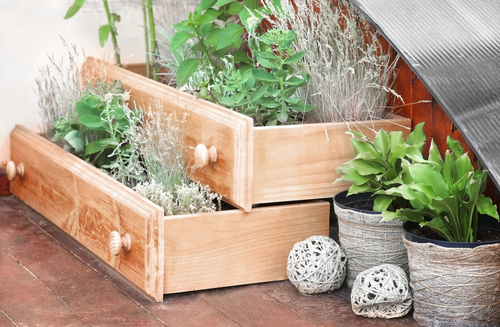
(59,88)
(160,141)
(350,74)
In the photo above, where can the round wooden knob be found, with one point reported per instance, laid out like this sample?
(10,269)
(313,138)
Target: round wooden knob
(203,156)
(12,170)
(116,243)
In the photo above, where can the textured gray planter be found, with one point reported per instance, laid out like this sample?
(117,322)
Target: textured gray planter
(453,285)
(366,240)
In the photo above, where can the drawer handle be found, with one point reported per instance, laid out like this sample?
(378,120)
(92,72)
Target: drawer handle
(12,170)
(203,156)
(116,243)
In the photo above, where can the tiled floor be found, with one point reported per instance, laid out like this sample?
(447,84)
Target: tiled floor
(47,279)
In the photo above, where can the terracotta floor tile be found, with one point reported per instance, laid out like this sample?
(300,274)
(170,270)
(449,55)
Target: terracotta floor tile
(248,306)
(328,309)
(49,279)
(188,310)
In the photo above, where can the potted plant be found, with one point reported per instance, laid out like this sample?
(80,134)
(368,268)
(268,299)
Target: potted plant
(453,259)
(254,164)
(376,166)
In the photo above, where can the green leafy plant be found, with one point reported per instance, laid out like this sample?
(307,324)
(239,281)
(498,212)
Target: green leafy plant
(106,30)
(102,133)
(268,92)
(214,31)
(262,85)
(381,165)
(445,195)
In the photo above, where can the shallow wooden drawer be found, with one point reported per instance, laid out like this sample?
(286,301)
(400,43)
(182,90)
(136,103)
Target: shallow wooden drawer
(167,254)
(254,164)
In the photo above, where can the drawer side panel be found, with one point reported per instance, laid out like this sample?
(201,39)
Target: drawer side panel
(89,205)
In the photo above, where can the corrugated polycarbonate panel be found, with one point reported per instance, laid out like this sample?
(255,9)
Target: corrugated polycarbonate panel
(454,48)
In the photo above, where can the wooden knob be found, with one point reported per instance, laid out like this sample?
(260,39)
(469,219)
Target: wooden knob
(116,243)
(203,156)
(12,170)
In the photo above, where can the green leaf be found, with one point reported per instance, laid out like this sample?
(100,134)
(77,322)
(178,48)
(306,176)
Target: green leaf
(185,70)
(259,93)
(220,3)
(75,7)
(365,168)
(267,60)
(295,57)
(280,73)
(454,146)
(264,76)
(382,142)
(104,31)
(382,202)
(205,4)
(94,147)
(417,136)
(485,206)
(115,17)
(90,116)
(213,37)
(75,141)
(234,8)
(439,225)
(268,103)
(241,56)
(230,35)
(301,106)
(426,175)
(179,39)
(296,81)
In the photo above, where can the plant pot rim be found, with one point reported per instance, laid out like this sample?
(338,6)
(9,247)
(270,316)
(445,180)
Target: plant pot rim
(484,223)
(345,202)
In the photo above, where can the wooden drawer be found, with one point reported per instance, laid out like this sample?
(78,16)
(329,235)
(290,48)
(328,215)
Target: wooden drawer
(254,164)
(167,254)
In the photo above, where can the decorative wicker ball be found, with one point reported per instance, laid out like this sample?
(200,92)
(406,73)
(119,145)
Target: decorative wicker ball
(381,292)
(316,265)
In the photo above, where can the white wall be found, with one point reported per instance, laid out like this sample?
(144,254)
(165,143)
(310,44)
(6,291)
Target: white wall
(30,30)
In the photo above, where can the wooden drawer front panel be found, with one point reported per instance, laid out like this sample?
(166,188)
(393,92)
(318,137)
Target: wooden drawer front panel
(234,248)
(230,132)
(255,164)
(89,205)
(298,162)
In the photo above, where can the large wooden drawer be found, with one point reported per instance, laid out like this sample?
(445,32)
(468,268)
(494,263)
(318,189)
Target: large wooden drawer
(254,164)
(167,254)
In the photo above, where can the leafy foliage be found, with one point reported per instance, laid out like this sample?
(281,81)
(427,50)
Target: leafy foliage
(102,134)
(262,85)
(445,195)
(382,164)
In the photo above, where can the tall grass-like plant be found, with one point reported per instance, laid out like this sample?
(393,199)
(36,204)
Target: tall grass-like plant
(350,73)
(161,145)
(59,88)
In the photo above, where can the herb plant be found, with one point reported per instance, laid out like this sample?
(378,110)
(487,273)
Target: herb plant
(350,72)
(102,134)
(382,164)
(445,195)
(262,85)
(105,30)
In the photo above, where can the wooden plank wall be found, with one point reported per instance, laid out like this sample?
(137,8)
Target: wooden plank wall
(420,106)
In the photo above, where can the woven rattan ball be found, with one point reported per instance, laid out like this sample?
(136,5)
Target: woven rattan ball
(381,292)
(316,265)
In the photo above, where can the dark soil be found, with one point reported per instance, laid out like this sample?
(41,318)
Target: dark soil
(483,234)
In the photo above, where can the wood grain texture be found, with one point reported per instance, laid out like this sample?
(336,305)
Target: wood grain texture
(89,205)
(233,247)
(207,123)
(255,165)
(298,162)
